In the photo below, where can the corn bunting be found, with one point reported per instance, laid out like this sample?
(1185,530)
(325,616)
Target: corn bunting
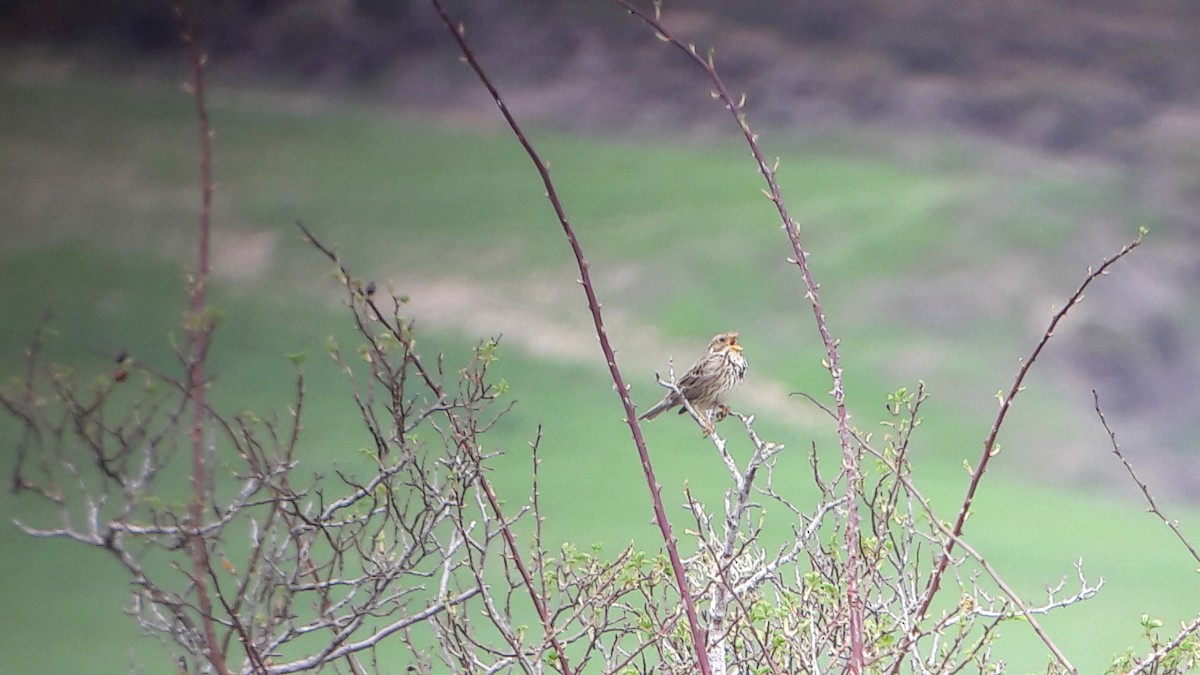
(720,370)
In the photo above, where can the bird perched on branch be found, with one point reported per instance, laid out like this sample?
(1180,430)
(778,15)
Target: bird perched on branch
(717,372)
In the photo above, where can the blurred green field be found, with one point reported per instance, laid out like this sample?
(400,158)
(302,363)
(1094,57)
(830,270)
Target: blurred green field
(98,202)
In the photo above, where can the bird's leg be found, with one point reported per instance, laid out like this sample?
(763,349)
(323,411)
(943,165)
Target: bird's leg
(706,421)
(722,411)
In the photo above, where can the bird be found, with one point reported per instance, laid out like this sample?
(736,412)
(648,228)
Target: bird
(716,373)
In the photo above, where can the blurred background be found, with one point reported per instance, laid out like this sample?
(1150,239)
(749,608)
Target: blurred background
(956,167)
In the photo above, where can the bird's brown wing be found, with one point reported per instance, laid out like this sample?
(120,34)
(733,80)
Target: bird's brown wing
(689,385)
(700,377)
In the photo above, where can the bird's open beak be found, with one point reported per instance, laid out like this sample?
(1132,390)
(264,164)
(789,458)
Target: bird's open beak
(736,347)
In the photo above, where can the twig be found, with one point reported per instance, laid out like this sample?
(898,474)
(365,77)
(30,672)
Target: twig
(989,444)
(376,637)
(1016,600)
(1153,506)
(660,516)
(471,451)
(737,504)
(895,468)
(1154,658)
(199,331)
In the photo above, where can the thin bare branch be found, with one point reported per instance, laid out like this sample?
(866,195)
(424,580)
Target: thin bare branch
(989,445)
(1152,660)
(1152,505)
(199,329)
(660,517)
(832,362)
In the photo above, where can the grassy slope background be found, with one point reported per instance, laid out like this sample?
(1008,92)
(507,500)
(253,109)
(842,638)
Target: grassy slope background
(98,202)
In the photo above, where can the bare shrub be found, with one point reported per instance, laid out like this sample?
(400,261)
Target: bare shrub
(254,569)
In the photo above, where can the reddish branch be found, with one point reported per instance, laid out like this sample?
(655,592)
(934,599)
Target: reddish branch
(832,362)
(199,329)
(990,448)
(1152,505)
(660,516)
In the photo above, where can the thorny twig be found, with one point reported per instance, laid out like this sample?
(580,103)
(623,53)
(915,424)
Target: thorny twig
(660,517)
(1152,505)
(200,336)
(832,362)
(989,445)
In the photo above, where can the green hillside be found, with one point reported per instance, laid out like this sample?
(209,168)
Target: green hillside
(98,203)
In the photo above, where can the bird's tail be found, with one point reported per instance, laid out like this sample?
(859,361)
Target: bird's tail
(658,408)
